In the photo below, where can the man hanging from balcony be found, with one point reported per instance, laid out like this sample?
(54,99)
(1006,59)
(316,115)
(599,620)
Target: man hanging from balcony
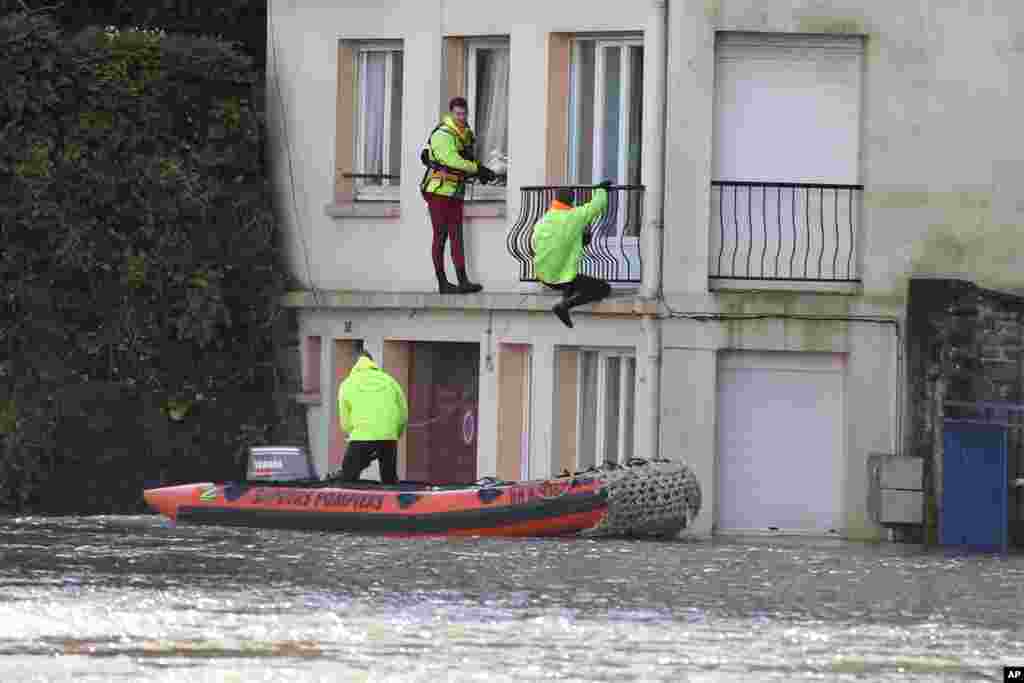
(449,160)
(558,240)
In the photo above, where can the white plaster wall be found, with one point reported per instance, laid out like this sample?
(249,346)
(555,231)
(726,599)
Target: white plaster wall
(939,152)
(871,387)
(688,420)
(941,157)
(393,254)
(539,329)
(689,375)
(871,411)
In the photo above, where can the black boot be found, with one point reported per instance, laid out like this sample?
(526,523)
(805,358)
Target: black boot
(443,286)
(561,309)
(465,286)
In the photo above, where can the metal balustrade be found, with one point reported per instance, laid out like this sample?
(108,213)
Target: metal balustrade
(784,231)
(614,252)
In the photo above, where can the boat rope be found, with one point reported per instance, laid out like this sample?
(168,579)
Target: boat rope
(448,412)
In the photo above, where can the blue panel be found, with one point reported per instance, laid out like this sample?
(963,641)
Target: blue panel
(974,481)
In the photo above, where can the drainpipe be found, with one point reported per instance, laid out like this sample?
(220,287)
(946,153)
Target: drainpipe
(654,171)
(652,337)
(653,234)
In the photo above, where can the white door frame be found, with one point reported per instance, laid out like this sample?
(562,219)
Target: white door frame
(627,398)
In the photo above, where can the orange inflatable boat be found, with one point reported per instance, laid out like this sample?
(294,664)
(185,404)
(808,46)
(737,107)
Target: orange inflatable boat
(280,491)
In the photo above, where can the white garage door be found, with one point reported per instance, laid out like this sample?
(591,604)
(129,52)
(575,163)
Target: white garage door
(780,441)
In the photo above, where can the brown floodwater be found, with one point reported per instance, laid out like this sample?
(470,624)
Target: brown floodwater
(137,598)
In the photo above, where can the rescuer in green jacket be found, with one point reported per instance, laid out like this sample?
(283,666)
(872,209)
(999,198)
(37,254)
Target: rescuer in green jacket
(558,240)
(373,411)
(450,159)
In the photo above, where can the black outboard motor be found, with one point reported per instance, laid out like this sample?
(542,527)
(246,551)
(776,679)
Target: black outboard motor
(280,463)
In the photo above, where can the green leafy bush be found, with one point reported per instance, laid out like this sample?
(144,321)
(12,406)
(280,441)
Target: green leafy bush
(140,270)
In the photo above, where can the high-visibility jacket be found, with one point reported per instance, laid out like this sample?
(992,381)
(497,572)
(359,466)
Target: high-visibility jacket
(446,145)
(557,238)
(371,404)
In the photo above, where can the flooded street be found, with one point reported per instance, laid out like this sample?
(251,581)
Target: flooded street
(135,598)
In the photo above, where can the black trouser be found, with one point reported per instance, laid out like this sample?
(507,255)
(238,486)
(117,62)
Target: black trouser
(583,289)
(360,454)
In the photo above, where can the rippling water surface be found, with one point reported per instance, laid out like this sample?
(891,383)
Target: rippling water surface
(135,598)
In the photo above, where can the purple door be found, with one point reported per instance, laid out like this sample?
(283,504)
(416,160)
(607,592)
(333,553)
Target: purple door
(441,442)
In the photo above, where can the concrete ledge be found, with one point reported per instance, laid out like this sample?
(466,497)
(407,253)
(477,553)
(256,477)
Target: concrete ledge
(822,287)
(364,210)
(615,305)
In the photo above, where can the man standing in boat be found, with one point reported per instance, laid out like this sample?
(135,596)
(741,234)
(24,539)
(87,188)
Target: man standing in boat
(558,240)
(373,411)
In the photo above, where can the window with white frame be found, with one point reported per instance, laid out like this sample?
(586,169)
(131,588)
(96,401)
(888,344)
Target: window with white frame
(606,98)
(605,406)
(379,120)
(487,79)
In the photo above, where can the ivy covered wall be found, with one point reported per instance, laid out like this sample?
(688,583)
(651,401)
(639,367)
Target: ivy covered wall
(141,339)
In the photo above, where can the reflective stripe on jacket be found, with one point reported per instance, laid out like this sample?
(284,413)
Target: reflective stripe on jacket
(447,144)
(557,238)
(371,404)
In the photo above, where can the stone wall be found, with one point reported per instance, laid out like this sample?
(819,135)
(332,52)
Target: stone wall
(964,344)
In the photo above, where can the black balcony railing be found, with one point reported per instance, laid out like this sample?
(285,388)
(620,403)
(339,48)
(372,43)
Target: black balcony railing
(784,231)
(614,252)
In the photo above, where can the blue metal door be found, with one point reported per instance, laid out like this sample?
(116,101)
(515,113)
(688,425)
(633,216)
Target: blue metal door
(974,486)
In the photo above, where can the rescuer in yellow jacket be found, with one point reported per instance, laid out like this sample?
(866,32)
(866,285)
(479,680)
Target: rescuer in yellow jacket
(450,159)
(558,240)
(373,411)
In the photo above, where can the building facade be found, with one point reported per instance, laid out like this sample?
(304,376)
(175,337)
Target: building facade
(782,170)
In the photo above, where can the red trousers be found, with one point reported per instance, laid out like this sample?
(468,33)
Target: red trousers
(446,215)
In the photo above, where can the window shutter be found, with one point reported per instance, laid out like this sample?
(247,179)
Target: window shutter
(787,107)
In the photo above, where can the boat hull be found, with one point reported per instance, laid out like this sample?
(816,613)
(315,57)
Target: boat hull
(555,507)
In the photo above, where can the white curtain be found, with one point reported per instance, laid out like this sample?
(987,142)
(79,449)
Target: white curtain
(395,130)
(374,73)
(492,102)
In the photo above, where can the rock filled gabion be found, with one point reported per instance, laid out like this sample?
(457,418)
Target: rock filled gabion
(647,498)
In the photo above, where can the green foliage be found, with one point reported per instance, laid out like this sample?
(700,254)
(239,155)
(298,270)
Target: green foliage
(140,269)
(8,417)
(242,22)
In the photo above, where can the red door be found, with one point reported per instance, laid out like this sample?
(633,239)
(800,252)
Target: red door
(441,442)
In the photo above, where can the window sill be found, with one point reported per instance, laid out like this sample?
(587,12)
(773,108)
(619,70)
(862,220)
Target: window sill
(475,193)
(363,209)
(309,399)
(392,209)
